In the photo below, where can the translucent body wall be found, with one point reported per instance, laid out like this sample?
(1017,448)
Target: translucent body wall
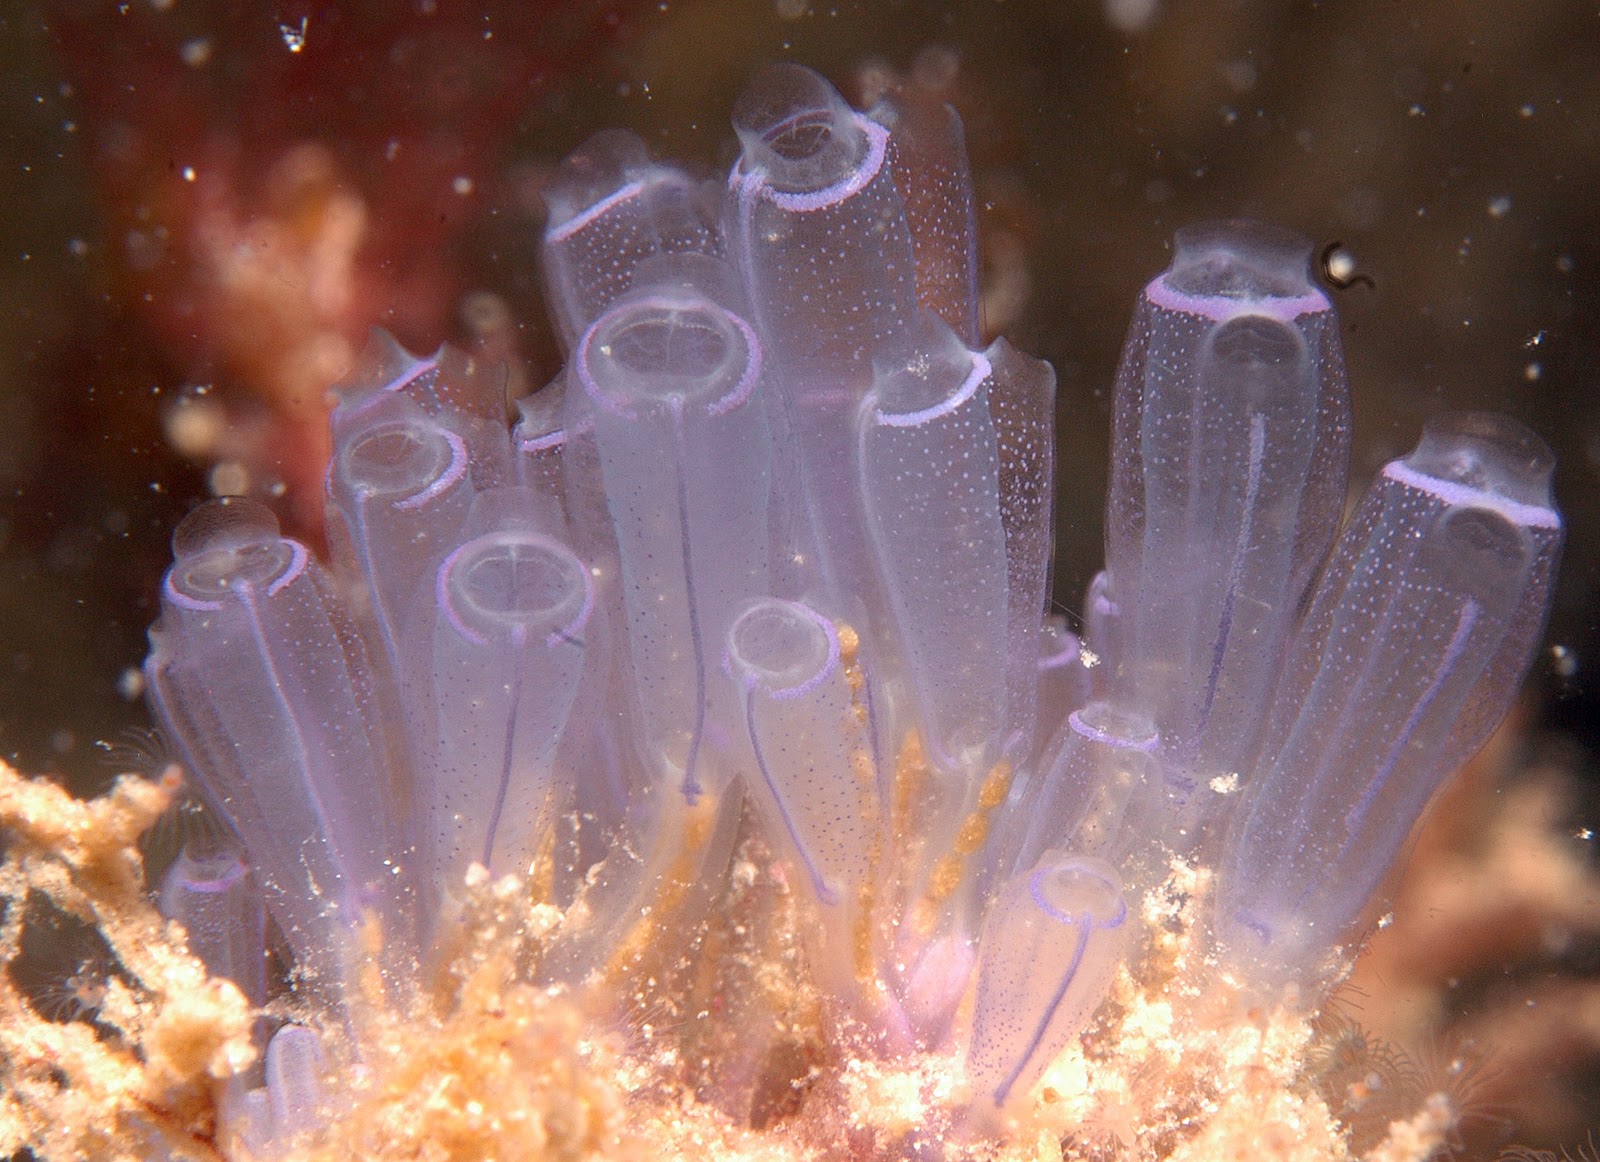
(773,550)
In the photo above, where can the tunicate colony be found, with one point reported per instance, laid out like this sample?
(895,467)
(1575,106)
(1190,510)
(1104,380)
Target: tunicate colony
(777,539)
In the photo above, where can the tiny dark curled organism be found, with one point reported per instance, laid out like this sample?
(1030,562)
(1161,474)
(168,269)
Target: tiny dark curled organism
(1333,270)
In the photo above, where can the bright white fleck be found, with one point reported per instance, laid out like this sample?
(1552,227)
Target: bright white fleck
(1341,265)
(1386,919)
(1564,660)
(188,173)
(1227,784)
(294,39)
(1499,205)
(130,684)
(196,52)
(462,185)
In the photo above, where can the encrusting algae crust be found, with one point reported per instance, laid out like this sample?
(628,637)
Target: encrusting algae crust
(492,1065)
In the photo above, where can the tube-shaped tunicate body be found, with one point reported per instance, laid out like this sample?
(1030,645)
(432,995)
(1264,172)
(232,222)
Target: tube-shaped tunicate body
(930,482)
(539,443)
(462,393)
(1102,634)
(810,746)
(296,1072)
(399,490)
(214,895)
(1063,678)
(508,652)
(1050,946)
(1417,636)
(1229,452)
(1099,785)
(818,233)
(812,180)
(673,384)
(270,1121)
(1022,406)
(259,677)
(612,209)
(928,158)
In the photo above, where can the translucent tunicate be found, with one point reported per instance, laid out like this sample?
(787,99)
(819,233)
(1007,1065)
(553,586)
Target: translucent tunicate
(1229,453)
(507,655)
(213,894)
(673,380)
(1053,939)
(1418,634)
(261,679)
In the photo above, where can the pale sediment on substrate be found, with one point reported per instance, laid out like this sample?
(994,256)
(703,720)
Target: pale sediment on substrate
(492,1065)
